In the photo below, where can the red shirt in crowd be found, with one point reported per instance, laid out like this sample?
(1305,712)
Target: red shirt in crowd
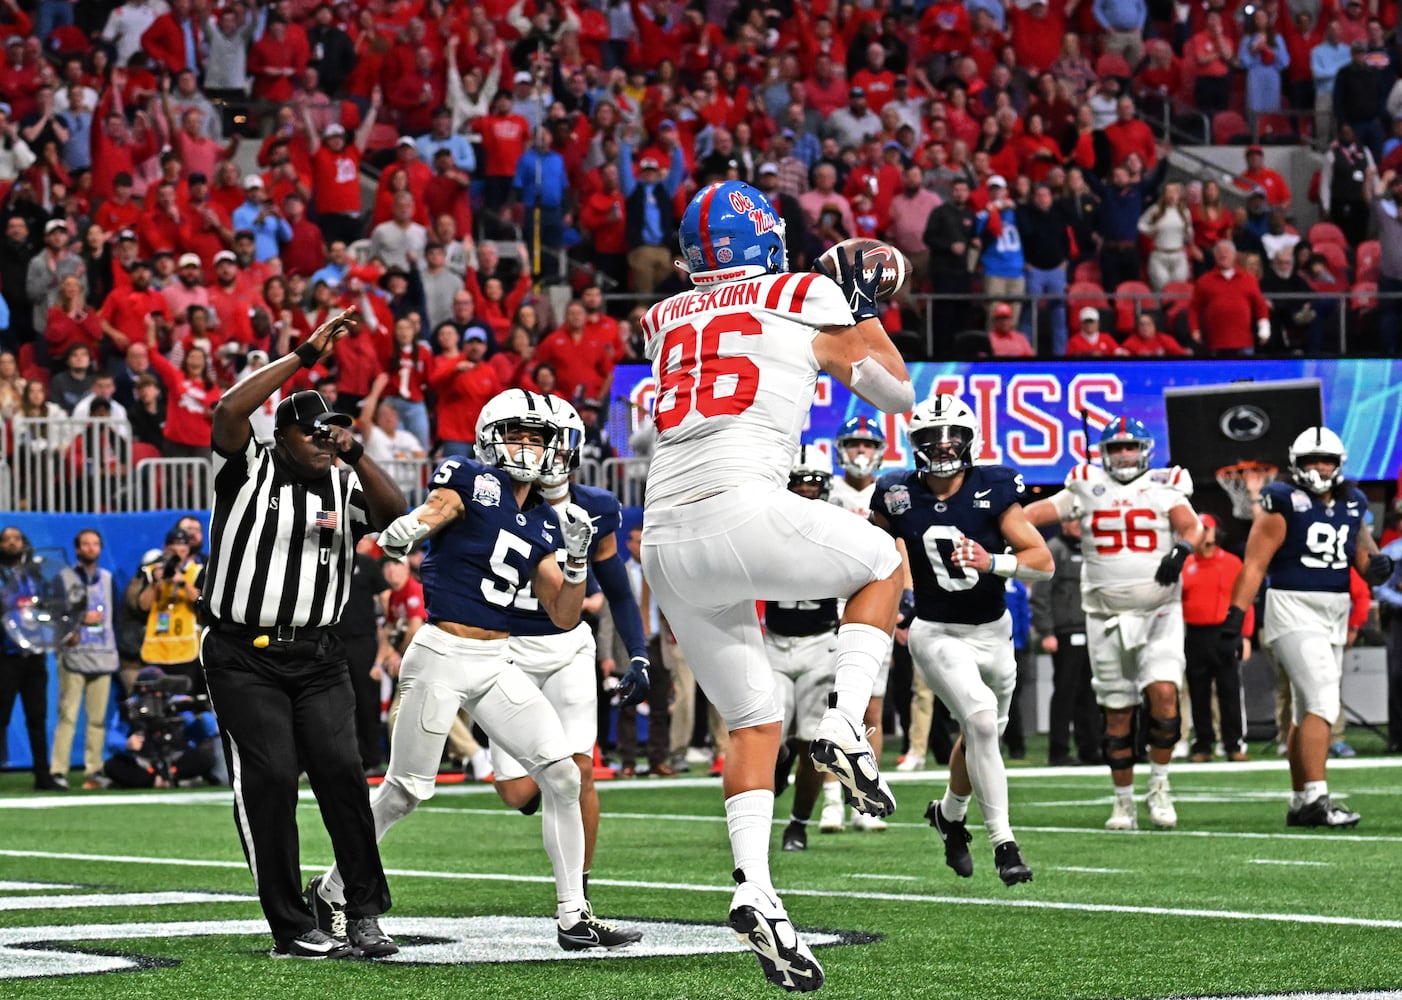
(1102,345)
(461,395)
(405,603)
(408,367)
(189,404)
(127,309)
(1132,136)
(336,180)
(504,138)
(62,331)
(581,366)
(1225,308)
(1207,589)
(358,360)
(1160,345)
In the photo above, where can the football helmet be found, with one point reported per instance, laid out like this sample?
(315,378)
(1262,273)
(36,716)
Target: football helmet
(812,466)
(1315,443)
(1126,464)
(562,457)
(860,429)
(943,432)
(515,409)
(730,230)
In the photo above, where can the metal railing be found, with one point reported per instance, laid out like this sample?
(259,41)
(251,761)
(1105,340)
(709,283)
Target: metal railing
(173,484)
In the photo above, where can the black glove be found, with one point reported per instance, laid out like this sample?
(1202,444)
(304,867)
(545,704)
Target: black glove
(1379,569)
(1229,632)
(907,609)
(634,686)
(1171,567)
(860,291)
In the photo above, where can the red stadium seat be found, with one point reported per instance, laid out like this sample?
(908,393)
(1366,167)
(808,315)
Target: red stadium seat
(1112,64)
(141,451)
(1085,293)
(1326,232)
(1128,296)
(1087,270)
(1336,257)
(1229,127)
(1277,129)
(1363,297)
(1366,259)
(1174,298)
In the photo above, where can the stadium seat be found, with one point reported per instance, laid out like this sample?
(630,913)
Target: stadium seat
(1131,298)
(1366,259)
(1113,64)
(1363,297)
(1086,293)
(971,345)
(1276,130)
(1326,232)
(141,452)
(1174,298)
(1087,270)
(1336,257)
(1229,128)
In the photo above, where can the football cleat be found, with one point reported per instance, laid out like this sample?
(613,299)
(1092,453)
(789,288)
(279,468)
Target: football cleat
(368,940)
(759,920)
(1011,868)
(833,818)
(1161,811)
(956,837)
(313,944)
(1125,815)
(330,916)
(591,932)
(842,749)
(1326,813)
(909,762)
(795,836)
(867,824)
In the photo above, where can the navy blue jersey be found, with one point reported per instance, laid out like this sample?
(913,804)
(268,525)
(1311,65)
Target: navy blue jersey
(475,567)
(795,618)
(1320,539)
(931,528)
(527,615)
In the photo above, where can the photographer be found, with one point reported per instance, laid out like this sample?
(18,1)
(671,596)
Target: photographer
(24,674)
(162,735)
(167,598)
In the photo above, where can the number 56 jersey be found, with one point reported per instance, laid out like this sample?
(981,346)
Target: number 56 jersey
(1125,535)
(735,373)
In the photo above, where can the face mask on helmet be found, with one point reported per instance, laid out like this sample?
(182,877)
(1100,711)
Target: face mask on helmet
(563,455)
(810,485)
(1125,460)
(1315,445)
(518,446)
(860,461)
(942,450)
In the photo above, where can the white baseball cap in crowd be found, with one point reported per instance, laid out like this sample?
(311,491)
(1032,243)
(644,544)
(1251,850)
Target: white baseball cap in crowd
(189,260)
(997,181)
(1090,312)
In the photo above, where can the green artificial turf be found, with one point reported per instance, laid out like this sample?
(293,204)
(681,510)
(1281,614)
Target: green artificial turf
(1220,906)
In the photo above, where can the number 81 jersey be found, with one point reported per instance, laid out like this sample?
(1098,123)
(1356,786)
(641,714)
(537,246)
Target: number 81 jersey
(1125,534)
(735,373)
(931,529)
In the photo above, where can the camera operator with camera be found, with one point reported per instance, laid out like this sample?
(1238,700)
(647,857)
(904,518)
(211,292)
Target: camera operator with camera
(24,671)
(167,597)
(162,734)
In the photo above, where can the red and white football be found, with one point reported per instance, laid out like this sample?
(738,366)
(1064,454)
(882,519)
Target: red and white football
(895,266)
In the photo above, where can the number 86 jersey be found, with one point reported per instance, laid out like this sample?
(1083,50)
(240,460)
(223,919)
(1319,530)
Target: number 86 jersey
(1125,534)
(735,373)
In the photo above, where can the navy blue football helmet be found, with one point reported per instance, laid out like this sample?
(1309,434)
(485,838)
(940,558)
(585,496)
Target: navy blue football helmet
(730,230)
(1123,463)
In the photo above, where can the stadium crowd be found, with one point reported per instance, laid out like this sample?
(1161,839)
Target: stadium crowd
(1003,147)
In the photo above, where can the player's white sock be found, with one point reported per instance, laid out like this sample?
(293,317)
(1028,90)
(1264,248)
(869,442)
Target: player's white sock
(1158,770)
(954,807)
(1125,792)
(832,792)
(861,650)
(1315,790)
(748,816)
(987,774)
(1297,799)
(332,888)
(562,828)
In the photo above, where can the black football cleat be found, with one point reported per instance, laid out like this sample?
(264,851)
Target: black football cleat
(956,837)
(313,944)
(795,837)
(1325,813)
(591,932)
(368,940)
(1011,868)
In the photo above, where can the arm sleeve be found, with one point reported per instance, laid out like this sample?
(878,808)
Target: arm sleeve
(623,606)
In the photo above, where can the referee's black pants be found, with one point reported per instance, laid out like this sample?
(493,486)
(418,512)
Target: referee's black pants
(360,654)
(1210,664)
(285,709)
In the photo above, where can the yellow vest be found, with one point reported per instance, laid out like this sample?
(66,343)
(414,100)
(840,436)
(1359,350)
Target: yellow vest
(172,635)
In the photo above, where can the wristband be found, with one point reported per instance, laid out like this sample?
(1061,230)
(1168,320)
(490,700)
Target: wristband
(1004,564)
(309,354)
(354,453)
(576,572)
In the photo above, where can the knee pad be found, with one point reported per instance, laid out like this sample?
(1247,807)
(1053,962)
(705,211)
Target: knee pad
(1118,751)
(560,780)
(1165,733)
(392,801)
(982,727)
(1321,700)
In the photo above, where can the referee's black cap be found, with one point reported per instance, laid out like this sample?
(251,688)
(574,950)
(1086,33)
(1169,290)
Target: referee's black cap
(308,408)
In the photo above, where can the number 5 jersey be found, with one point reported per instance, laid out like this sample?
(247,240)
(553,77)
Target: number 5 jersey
(735,373)
(1125,534)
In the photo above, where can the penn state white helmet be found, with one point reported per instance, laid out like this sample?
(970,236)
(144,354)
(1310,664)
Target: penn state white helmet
(1317,442)
(563,455)
(941,420)
(812,465)
(511,410)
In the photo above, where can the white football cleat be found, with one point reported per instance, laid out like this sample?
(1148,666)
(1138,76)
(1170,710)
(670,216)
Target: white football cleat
(1125,815)
(867,824)
(909,763)
(842,749)
(759,920)
(833,818)
(1161,811)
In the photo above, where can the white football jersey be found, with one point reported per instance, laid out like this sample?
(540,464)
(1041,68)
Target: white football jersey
(735,372)
(1125,533)
(858,501)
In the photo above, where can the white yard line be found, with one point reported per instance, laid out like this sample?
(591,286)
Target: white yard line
(1091,871)
(886,897)
(1274,861)
(888,878)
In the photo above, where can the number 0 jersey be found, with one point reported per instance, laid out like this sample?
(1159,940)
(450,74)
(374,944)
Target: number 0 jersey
(735,372)
(932,528)
(1320,539)
(528,617)
(1125,534)
(475,568)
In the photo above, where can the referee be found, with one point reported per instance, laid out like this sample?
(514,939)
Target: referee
(282,540)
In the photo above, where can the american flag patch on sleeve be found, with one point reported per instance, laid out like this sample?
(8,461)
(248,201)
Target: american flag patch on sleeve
(326,519)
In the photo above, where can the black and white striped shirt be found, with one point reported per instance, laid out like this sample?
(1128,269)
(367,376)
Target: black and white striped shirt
(281,549)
